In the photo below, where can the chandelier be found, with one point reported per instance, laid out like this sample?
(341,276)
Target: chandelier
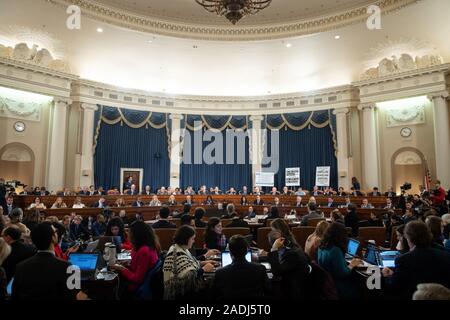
(234,10)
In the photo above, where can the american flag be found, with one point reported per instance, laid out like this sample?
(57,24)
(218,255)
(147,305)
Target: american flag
(427,179)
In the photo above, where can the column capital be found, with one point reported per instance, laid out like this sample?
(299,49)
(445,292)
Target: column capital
(342,111)
(435,95)
(62,101)
(367,106)
(89,106)
(176,116)
(256,118)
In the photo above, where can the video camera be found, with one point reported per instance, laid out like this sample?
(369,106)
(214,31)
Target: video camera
(406,186)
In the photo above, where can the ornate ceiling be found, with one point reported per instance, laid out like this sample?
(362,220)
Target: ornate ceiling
(186,19)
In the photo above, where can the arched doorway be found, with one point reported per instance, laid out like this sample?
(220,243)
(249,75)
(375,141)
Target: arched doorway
(408,165)
(17,163)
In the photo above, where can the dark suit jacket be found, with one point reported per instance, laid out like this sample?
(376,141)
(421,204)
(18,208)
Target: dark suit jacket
(312,215)
(240,280)
(238,223)
(163,224)
(132,193)
(97,205)
(422,265)
(138,204)
(6,210)
(200,224)
(261,203)
(351,221)
(42,277)
(292,267)
(19,253)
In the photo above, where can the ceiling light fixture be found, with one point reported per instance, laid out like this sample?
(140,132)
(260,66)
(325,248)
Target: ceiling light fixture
(337,37)
(288,45)
(234,10)
(99,30)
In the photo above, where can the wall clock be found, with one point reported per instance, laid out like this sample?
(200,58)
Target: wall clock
(19,126)
(406,132)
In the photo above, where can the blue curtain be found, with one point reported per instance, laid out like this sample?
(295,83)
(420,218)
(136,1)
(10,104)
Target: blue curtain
(119,146)
(222,175)
(307,149)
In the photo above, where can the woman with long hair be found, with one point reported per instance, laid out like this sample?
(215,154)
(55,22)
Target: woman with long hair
(214,237)
(315,239)
(116,228)
(279,225)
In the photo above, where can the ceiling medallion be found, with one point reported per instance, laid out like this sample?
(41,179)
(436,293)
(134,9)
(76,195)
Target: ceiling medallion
(234,10)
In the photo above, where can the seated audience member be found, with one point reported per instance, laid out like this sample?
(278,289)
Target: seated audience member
(374,221)
(101,203)
(402,244)
(431,291)
(390,193)
(298,202)
(375,192)
(314,240)
(99,226)
(123,216)
(238,222)
(231,192)
(316,191)
(101,191)
(202,191)
(183,273)
(347,202)
(286,191)
(60,232)
(244,201)
(231,212)
(244,191)
(163,221)
(147,191)
(77,230)
(366,205)
(435,225)
(288,261)
(422,264)
(273,214)
(313,213)
(341,192)
(198,215)
(162,191)
(188,200)
(330,203)
(300,192)
(113,192)
(216,191)
(144,256)
(155,202)
(351,219)
(59,203)
(258,201)
(214,237)
(389,205)
(328,191)
(9,205)
(257,191)
(331,257)
(84,191)
(16,218)
(64,193)
(336,216)
(116,228)
(274,191)
(44,192)
(189,191)
(43,276)
(355,192)
(138,203)
(78,204)
(209,201)
(241,279)
(132,191)
(37,204)
(119,203)
(19,250)
(92,191)
(312,200)
(187,219)
(446,224)
(32,218)
(171,201)
(409,214)
(251,213)
(5,250)
(276,202)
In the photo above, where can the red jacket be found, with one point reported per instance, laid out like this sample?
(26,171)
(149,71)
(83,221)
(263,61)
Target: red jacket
(141,261)
(439,197)
(59,253)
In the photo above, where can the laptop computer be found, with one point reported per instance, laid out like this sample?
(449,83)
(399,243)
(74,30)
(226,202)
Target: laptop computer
(87,262)
(352,249)
(226,258)
(382,259)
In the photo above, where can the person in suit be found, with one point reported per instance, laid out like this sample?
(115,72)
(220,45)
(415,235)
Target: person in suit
(258,201)
(390,193)
(44,192)
(199,213)
(288,261)
(286,191)
(189,191)
(276,202)
(163,221)
(9,205)
(375,192)
(202,191)
(351,219)
(251,213)
(241,279)
(92,191)
(209,200)
(312,214)
(422,264)
(19,250)
(127,184)
(355,193)
(374,221)
(138,202)
(330,203)
(78,230)
(257,191)
(101,203)
(389,205)
(274,192)
(132,191)
(244,201)
(232,191)
(155,201)
(147,191)
(101,191)
(238,222)
(171,201)
(244,191)
(273,214)
(366,205)
(43,276)
(341,192)
(336,216)
(316,192)
(298,202)
(300,192)
(355,184)
(99,226)
(188,200)
(231,212)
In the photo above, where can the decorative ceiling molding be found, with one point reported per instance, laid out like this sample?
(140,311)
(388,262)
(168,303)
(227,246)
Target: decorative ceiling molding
(152,25)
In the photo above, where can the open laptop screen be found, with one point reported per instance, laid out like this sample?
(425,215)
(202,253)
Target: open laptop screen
(352,247)
(371,254)
(226,258)
(85,261)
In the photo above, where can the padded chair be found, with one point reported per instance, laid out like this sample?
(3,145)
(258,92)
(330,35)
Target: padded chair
(302,233)
(262,240)
(394,240)
(314,222)
(269,222)
(372,233)
(199,238)
(165,237)
(150,289)
(229,232)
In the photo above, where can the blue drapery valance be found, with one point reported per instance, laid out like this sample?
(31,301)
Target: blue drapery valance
(298,121)
(213,122)
(133,118)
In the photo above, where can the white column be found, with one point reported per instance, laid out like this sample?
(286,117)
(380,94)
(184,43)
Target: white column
(342,143)
(175,150)
(87,158)
(442,137)
(370,147)
(256,147)
(57,148)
